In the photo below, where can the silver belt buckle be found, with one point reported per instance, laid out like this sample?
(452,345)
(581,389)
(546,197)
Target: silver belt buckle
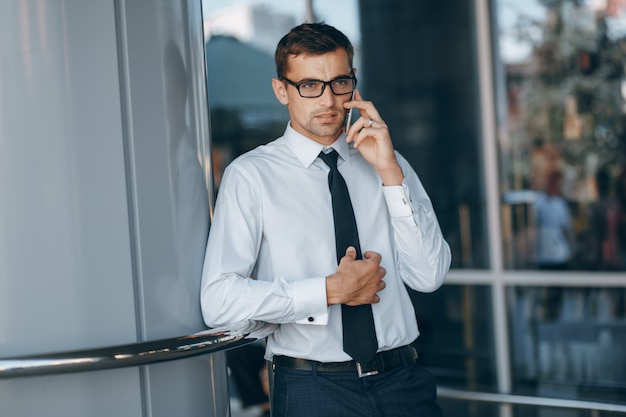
(363,374)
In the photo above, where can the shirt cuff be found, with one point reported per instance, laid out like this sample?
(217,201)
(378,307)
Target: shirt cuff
(398,200)
(310,301)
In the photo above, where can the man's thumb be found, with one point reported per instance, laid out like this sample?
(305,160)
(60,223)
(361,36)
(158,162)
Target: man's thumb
(351,252)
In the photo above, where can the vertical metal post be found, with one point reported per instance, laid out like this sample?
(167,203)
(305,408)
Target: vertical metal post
(490,149)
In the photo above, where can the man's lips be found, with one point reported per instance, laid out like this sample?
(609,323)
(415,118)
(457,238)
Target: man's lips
(327,117)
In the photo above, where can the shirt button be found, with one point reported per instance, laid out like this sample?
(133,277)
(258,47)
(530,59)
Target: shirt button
(311,319)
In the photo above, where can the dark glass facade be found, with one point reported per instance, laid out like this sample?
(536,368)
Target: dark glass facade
(419,65)
(492,100)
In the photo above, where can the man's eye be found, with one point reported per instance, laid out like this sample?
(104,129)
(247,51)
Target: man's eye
(313,85)
(342,82)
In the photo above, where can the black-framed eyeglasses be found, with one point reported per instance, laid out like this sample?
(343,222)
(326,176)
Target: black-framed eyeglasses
(315,88)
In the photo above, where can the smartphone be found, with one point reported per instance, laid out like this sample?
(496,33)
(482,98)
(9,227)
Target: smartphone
(349,115)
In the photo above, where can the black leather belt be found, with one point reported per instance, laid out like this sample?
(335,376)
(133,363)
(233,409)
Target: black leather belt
(383,361)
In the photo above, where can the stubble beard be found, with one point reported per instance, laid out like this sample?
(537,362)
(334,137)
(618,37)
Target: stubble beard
(325,130)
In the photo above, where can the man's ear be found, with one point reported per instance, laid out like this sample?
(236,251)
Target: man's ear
(280,91)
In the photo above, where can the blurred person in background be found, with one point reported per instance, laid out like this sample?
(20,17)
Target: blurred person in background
(554,234)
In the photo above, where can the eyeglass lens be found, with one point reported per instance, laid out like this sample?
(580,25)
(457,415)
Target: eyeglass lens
(316,88)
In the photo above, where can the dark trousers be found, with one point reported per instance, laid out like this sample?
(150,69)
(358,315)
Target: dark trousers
(406,391)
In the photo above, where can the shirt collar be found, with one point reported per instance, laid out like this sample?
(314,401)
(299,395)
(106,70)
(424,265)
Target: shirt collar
(307,150)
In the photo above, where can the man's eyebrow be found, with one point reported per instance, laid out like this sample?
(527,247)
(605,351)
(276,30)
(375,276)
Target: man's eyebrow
(308,80)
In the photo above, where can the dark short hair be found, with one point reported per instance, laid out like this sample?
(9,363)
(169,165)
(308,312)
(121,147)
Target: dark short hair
(310,39)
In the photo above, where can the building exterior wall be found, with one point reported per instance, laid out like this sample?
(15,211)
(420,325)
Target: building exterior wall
(105,200)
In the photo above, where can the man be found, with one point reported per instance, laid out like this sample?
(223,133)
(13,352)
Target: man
(275,222)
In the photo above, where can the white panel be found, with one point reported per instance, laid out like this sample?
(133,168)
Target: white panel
(65,259)
(95,394)
(163,67)
(170,198)
(65,264)
(103,206)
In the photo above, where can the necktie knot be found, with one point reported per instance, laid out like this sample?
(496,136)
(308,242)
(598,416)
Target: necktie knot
(330,158)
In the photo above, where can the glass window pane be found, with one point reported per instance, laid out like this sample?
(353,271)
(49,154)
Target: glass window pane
(456,340)
(563,133)
(569,342)
(419,67)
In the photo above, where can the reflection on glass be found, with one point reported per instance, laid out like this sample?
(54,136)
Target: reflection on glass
(419,69)
(569,342)
(554,234)
(563,68)
(188,191)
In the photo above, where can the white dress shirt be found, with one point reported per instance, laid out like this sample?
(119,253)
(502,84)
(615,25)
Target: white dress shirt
(272,244)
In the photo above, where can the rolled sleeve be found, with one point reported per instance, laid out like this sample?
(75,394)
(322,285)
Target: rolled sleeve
(310,301)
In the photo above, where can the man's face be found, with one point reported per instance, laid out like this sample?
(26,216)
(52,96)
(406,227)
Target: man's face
(322,118)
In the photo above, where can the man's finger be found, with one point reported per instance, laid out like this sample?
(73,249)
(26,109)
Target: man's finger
(375,256)
(351,252)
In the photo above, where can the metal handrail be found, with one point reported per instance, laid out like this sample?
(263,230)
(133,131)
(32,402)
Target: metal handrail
(134,354)
(220,339)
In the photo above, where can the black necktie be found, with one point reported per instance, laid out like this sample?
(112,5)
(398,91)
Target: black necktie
(359,335)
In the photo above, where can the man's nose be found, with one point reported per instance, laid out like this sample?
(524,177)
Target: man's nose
(328,97)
